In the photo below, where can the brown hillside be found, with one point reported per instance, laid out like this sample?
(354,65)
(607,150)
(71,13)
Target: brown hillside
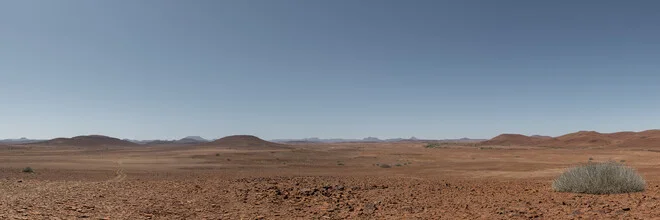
(644,139)
(517,139)
(624,135)
(585,139)
(89,141)
(641,142)
(245,142)
(650,133)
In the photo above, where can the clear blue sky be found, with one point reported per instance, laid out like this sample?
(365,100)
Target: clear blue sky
(343,68)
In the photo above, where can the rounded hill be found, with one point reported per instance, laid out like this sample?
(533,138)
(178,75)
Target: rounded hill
(646,139)
(89,141)
(517,139)
(246,142)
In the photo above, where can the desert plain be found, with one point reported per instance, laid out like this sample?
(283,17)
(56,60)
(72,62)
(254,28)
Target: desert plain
(244,177)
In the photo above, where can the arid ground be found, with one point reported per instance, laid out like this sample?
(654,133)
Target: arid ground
(313,181)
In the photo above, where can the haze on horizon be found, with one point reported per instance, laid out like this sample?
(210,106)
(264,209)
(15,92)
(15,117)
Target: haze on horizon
(331,69)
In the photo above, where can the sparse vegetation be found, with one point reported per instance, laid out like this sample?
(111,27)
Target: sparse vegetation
(600,178)
(436,145)
(217,155)
(591,158)
(385,166)
(339,163)
(622,161)
(398,165)
(28,170)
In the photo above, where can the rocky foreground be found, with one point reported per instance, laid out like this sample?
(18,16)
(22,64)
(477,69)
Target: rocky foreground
(61,194)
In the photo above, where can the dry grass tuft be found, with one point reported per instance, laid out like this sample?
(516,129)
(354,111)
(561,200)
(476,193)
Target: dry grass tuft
(600,178)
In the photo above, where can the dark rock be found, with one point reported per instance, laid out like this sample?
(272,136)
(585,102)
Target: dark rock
(369,208)
(306,192)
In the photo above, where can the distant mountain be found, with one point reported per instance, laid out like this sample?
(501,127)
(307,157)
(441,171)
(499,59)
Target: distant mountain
(191,140)
(185,140)
(394,139)
(368,139)
(371,139)
(158,142)
(88,141)
(20,141)
(316,140)
(197,138)
(140,141)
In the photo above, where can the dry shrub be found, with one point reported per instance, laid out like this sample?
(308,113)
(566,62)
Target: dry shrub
(600,178)
(28,170)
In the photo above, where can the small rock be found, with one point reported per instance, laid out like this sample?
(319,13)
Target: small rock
(369,208)
(306,191)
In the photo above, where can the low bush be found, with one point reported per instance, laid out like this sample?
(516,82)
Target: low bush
(28,170)
(600,178)
(437,145)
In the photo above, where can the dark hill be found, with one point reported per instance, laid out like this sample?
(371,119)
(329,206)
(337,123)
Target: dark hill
(246,142)
(88,141)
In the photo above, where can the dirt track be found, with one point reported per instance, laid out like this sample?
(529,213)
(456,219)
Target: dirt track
(332,181)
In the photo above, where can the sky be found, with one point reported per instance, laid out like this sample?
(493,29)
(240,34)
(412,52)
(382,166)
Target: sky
(166,69)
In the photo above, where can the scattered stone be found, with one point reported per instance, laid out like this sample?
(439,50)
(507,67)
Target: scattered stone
(307,191)
(369,208)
